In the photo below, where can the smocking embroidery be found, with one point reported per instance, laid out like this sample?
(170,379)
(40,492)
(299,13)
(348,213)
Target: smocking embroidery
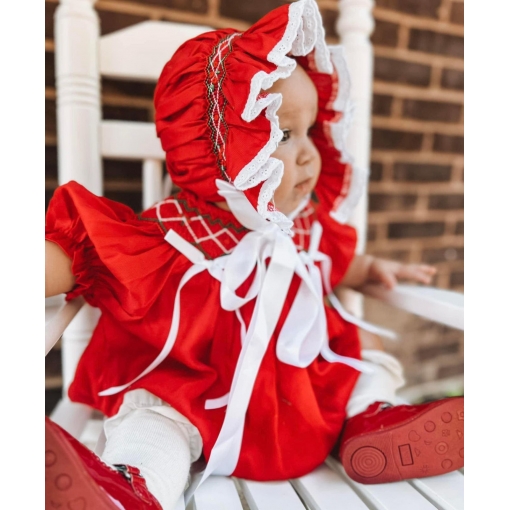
(215,73)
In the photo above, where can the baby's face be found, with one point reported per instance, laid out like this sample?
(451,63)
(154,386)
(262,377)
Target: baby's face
(300,157)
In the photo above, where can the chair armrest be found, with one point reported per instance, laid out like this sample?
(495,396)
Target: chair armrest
(57,324)
(439,305)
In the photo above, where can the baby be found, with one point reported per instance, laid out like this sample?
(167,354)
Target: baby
(221,334)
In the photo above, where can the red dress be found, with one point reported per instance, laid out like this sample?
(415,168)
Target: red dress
(123,266)
(217,123)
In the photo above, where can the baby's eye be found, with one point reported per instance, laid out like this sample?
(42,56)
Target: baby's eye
(286,135)
(311,130)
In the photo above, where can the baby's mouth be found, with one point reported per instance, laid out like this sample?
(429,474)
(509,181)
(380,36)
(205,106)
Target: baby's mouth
(304,186)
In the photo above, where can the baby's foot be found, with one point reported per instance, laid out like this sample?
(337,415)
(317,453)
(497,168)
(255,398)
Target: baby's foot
(77,478)
(387,444)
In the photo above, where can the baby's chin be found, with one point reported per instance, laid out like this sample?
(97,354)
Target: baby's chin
(291,205)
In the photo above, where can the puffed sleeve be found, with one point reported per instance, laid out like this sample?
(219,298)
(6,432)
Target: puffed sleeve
(338,242)
(117,256)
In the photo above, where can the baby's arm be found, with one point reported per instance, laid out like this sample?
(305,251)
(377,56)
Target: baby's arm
(368,269)
(58,275)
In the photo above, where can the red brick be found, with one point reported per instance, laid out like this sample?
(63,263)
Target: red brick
(433,256)
(371,232)
(452,79)
(125,113)
(381,105)
(49,68)
(431,110)
(399,255)
(446,202)
(424,229)
(198,6)
(399,71)
(457,279)
(434,351)
(450,371)
(50,118)
(248,11)
(423,8)
(436,42)
(376,169)
(402,140)
(416,172)
(457,13)
(127,88)
(113,21)
(459,228)
(384,202)
(329,18)
(445,143)
(49,21)
(385,34)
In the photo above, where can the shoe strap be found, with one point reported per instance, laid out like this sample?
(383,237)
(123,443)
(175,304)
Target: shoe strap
(137,482)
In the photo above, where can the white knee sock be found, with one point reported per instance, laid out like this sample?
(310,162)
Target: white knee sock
(379,386)
(159,447)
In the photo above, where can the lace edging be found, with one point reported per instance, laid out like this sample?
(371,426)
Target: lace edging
(339,131)
(304,33)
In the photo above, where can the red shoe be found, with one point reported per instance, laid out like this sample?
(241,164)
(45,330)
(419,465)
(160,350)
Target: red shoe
(388,444)
(77,479)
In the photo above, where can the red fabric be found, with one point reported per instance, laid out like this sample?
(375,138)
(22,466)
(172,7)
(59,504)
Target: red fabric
(124,266)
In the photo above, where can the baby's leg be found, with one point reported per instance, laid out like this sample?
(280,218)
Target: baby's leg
(382,384)
(158,446)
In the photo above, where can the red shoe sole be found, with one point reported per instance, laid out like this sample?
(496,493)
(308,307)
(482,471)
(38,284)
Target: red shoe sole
(430,444)
(68,484)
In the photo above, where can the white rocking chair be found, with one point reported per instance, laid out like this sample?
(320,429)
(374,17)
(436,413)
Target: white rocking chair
(139,53)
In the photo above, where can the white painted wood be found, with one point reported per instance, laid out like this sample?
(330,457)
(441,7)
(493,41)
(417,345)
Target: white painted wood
(354,26)
(388,496)
(77,89)
(439,305)
(152,179)
(71,416)
(446,492)
(130,140)
(59,321)
(142,50)
(78,117)
(325,489)
(270,495)
(217,493)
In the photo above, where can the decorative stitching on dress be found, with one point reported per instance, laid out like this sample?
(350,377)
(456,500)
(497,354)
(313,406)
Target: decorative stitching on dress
(203,221)
(215,74)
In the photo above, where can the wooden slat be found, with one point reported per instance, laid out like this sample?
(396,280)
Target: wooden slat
(442,306)
(446,492)
(385,496)
(141,51)
(60,320)
(270,495)
(325,489)
(217,493)
(130,140)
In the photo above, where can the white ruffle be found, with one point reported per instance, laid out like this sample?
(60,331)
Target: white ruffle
(303,34)
(339,132)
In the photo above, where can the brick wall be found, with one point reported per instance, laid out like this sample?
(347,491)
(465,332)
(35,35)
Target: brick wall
(416,184)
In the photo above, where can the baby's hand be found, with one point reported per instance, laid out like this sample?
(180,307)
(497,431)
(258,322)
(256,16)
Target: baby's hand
(389,272)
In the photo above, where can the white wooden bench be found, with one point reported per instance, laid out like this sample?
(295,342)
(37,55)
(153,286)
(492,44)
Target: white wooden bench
(139,52)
